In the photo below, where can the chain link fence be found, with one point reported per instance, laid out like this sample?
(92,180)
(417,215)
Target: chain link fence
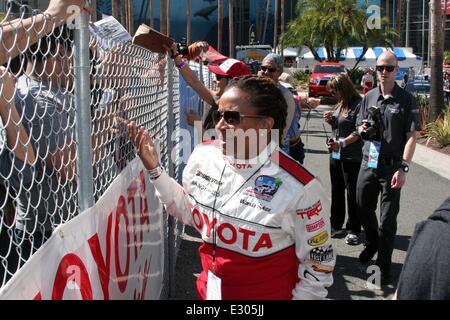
(42,154)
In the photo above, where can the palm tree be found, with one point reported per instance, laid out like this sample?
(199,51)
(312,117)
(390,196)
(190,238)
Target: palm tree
(372,37)
(335,25)
(163,17)
(231,27)
(115,9)
(275,25)
(220,24)
(188,21)
(152,14)
(437,57)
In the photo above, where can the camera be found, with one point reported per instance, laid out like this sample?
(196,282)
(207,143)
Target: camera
(373,132)
(330,143)
(182,47)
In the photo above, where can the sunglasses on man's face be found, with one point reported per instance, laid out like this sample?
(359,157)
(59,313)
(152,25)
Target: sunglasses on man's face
(270,69)
(387,68)
(231,117)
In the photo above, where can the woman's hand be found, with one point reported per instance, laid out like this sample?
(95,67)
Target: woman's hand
(313,102)
(144,145)
(333,146)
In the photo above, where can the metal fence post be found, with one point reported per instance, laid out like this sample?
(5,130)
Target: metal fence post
(171,220)
(83,114)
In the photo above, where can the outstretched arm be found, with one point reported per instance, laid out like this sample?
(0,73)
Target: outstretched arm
(171,194)
(17,35)
(17,138)
(190,77)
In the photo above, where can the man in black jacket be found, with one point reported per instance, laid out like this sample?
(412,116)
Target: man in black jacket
(425,273)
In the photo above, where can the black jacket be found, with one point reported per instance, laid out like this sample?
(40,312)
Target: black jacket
(426,273)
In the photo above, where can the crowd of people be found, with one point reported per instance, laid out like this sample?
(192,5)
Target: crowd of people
(264,218)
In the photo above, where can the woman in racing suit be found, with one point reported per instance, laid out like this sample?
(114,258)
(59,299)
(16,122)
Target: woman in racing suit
(263,218)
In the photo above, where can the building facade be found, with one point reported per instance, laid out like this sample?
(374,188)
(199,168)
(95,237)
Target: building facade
(418,34)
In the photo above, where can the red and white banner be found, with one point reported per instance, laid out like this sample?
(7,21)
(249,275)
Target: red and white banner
(114,250)
(446,12)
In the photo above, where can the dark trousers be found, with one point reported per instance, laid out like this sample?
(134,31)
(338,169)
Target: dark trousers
(372,182)
(344,176)
(16,247)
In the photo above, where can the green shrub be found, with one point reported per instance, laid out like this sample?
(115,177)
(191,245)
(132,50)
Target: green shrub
(423,103)
(439,130)
(301,78)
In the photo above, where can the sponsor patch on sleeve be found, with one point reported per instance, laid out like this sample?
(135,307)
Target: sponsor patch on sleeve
(318,239)
(310,212)
(317,267)
(315,226)
(322,254)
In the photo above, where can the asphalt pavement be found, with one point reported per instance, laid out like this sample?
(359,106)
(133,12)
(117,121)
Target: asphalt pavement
(427,186)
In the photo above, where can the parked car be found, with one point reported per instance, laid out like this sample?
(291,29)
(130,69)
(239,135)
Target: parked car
(419,86)
(321,73)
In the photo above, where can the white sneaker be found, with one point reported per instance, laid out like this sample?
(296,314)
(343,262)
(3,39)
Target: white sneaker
(352,239)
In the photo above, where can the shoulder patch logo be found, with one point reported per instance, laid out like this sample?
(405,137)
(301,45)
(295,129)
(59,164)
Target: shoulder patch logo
(265,187)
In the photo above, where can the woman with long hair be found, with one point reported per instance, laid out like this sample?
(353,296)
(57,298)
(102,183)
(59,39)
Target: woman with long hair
(346,155)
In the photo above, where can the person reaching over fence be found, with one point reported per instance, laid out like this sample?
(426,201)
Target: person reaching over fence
(43,98)
(227,70)
(17,138)
(19,159)
(17,35)
(264,219)
(15,148)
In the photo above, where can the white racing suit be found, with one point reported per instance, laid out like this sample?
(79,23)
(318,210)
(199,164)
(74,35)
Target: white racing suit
(271,219)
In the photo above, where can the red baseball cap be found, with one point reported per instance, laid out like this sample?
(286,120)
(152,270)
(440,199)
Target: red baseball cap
(230,68)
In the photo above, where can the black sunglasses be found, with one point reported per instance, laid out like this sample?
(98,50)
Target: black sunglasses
(387,68)
(231,117)
(270,69)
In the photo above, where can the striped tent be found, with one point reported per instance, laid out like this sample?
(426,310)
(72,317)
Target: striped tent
(350,55)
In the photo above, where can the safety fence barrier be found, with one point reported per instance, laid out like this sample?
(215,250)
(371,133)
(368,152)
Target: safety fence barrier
(65,102)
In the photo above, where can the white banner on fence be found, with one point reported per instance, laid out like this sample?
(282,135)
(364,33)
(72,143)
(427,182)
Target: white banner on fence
(114,250)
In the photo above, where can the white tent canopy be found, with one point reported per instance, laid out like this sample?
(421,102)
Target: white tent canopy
(290,52)
(350,55)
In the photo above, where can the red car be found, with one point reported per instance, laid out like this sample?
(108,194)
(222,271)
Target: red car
(321,73)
